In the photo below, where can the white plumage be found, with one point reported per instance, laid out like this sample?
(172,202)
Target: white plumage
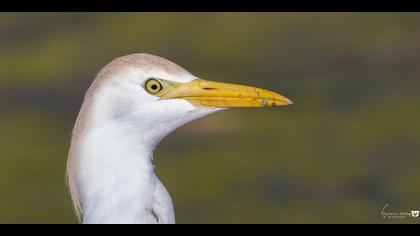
(134,102)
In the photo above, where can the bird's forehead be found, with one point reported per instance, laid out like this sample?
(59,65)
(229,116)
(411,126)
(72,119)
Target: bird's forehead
(145,72)
(145,63)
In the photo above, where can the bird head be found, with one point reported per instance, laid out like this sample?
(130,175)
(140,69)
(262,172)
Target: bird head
(155,96)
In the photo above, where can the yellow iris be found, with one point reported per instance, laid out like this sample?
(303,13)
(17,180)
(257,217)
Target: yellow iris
(153,86)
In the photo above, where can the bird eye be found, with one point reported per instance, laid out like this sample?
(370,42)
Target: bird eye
(153,86)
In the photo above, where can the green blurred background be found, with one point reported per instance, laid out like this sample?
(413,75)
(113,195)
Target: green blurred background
(348,146)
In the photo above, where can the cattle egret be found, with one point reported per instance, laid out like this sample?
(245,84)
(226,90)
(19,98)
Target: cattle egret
(134,102)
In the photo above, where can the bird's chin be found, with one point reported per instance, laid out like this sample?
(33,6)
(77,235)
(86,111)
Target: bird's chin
(193,114)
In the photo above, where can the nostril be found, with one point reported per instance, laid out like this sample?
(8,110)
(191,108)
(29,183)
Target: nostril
(209,88)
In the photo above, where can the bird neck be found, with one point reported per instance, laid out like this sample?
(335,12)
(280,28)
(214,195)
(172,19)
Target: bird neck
(116,178)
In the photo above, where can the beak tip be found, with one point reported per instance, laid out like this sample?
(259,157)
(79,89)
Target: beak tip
(283,102)
(289,102)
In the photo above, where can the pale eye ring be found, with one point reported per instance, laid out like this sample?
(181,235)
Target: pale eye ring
(153,86)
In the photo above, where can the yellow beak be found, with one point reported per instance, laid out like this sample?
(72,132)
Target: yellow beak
(202,93)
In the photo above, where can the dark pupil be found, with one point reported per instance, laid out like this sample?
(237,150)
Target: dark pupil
(154,87)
